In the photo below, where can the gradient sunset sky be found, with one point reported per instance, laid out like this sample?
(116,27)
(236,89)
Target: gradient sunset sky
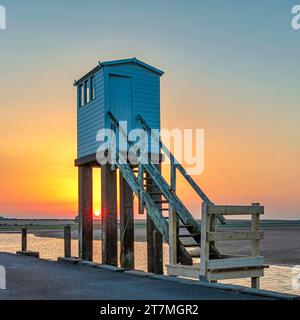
(231,68)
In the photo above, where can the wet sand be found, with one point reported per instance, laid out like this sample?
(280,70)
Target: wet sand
(281,244)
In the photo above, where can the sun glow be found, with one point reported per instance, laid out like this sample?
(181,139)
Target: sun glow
(97,213)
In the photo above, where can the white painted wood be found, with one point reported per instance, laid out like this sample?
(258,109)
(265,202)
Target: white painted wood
(204,251)
(235,235)
(193,273)
(172,236)
(237,274)
(173,222)
(234,210)
(255,245)
(235,263)
(183,271)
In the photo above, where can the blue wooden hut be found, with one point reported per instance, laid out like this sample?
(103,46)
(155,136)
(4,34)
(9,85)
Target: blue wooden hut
(126,88)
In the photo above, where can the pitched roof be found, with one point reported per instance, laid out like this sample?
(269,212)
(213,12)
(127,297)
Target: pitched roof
(117,62)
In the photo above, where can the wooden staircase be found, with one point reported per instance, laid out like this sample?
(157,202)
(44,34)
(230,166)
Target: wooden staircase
(161,202)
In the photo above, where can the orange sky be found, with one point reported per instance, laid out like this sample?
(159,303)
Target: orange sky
(246,158)
(236,79)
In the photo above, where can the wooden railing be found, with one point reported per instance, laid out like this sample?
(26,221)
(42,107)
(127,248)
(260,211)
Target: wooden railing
(231,266)
(176,165)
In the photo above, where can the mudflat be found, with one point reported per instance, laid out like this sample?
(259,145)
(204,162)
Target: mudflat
(281,243)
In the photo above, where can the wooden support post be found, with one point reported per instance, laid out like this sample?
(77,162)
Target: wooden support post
(126,225)
(141,185)
(255,244)
(204,250)
(157,267)
(67,241)
(173,223)
(85,185)
(155,259)
(109,215)
(24,239)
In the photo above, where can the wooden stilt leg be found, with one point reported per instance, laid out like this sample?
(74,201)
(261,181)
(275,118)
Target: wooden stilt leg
(255,282)
(126,225)
(85,212)
(154,247)
(109,216)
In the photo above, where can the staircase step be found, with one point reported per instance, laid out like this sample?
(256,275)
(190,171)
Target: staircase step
(192,235)
(148,178)
(162,201)
(155,193)
(163,209)
(195,255)
(191,245)
(184,226)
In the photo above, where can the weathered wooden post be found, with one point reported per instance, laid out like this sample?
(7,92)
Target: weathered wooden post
(255,244)
(204,249)
(157,253)
(24,250)
(67,241)
(24,240)
(154,246)
(173,224)
(109,215)
(85,186)
(126,225)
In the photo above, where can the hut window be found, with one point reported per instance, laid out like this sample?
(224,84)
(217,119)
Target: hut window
(92,88)
(81,95)
(86,92)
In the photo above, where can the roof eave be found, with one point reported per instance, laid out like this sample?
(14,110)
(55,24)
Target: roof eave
(116,62)
(132,60)
(87,75)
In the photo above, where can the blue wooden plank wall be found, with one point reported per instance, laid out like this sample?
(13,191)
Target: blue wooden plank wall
(145,101)
(90,118)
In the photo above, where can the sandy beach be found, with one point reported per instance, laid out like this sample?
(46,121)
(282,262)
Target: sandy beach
(281,244)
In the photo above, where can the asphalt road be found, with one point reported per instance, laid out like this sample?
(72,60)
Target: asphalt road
(31,279)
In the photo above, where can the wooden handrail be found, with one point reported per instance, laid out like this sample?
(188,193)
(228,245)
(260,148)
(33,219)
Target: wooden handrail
(174,201)
(180,168)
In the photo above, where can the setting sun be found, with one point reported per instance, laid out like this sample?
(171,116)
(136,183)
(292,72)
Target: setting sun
(97,213)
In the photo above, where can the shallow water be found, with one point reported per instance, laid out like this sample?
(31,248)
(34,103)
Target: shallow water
(277,278)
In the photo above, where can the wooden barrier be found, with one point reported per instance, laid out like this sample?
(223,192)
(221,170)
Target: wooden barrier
(231,266)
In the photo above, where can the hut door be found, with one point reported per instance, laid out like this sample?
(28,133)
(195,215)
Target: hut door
(120,98)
